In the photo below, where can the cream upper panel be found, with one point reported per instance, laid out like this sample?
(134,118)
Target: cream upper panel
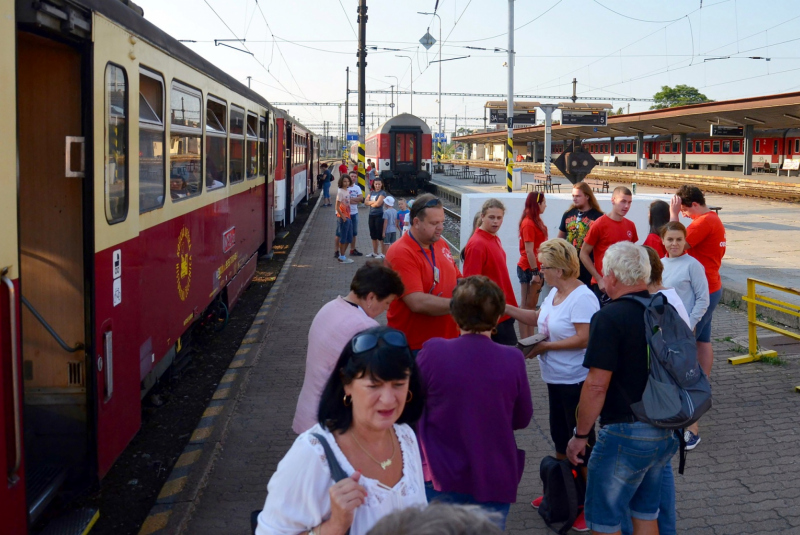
(113,44)
(9,254)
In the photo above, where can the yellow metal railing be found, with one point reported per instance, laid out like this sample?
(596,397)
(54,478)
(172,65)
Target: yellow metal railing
(753,299)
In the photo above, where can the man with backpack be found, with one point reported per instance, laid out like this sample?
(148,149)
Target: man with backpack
(630,454)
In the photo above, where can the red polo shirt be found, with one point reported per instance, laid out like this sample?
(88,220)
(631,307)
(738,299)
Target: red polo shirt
(706,236)
(406,257)
(484,255)
(342,169)
(604,233)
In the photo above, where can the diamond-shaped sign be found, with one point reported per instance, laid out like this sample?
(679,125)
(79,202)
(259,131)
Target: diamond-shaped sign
(575,165)
(427,41)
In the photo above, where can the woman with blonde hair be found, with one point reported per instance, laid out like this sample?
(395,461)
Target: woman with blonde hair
(578,219)
(564,319)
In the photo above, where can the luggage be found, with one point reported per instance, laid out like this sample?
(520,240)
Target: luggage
(564,493)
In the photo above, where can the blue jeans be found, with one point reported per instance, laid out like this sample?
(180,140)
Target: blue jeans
(625,474)
(667,517)
(467,499)
(354,219)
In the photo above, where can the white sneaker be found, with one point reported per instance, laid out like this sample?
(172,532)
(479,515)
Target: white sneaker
(345,260)
(371,255)
(380,256)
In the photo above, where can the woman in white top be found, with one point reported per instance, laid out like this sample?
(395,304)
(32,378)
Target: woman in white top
(684,272)
(564,318)
(372,290)
(654,285)
(370,398)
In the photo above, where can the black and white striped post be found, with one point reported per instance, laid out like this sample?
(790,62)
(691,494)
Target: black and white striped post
(510,107)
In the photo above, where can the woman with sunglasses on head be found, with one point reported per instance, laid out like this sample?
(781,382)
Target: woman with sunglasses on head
(364,414)
(477,395)
(564,319)
(372,290)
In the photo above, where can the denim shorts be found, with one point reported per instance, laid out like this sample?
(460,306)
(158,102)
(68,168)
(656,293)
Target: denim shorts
(345,228)
(389,238)
(354,219)
(703,329)
(525,276)
(625,471)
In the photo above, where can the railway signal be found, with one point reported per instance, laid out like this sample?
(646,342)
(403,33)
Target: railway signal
(576,164)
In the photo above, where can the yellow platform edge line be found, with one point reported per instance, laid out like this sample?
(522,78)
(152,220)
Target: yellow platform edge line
(155,523)
(92,522)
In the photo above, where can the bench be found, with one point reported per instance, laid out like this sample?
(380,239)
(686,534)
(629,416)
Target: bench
(597,185)
(715,208)
(484,177)
(609,160)
(541,182)
(760,166)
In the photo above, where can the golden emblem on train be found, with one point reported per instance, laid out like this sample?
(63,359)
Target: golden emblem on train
(183,268)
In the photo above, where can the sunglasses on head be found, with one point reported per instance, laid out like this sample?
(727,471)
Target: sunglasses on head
(366,341)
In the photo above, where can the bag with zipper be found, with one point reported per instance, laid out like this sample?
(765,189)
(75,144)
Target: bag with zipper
(564,493)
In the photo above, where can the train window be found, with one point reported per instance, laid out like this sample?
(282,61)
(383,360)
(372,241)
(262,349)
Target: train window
(237,144)
(689,147)
(628,148)
(216,143)
(116,144)
(186,141)
(758,146)
(252,146)
(698,146)
(262,146)
(775,147)
(726,146)
(706,147)
(151,141)
(666,148)
(676,148)
(715,146)
(737,147)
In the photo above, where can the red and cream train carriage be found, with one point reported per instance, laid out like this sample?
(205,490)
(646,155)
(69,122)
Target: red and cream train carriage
(400,148)
(138,184)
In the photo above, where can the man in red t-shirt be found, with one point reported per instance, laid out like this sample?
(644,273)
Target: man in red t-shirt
(343,168)
(607,230)
(429,275)
(705,241)
(484,255)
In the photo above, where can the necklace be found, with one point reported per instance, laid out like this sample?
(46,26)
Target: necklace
(385,464)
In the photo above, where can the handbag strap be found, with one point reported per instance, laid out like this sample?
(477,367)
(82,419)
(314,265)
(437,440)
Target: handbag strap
(337,472)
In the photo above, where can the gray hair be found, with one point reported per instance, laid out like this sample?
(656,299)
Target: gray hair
(439,519)
(628,262)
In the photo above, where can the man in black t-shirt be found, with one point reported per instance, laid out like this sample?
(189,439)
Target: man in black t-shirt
(627,463)
(577,220)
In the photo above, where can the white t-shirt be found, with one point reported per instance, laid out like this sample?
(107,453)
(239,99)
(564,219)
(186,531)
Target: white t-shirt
(297,493)
(354,192)
(675,300)
(565,366)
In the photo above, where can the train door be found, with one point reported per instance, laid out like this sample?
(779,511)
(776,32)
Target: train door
(776,151)
(12,489)
(289,160)
(53,275)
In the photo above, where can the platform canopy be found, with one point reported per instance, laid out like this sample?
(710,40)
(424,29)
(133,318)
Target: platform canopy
(766,112)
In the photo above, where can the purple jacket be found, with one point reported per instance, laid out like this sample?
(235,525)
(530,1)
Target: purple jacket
(477,395)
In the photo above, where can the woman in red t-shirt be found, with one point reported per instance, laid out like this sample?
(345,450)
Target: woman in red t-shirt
(532,233)
(659,216)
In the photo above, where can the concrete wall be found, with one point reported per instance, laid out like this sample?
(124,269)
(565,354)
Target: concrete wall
(557,204)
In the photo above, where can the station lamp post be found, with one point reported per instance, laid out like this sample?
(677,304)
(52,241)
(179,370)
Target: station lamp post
(397,82)
(440,68)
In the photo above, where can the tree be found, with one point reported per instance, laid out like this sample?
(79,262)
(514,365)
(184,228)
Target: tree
(680,95)
(620,111)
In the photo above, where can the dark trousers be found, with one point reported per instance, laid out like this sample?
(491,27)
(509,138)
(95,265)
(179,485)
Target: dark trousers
(505,333)
(563,400)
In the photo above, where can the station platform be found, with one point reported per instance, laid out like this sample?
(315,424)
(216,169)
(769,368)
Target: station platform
(736,481)
(763,236)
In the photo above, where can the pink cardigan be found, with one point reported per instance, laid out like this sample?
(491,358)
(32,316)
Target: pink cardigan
(333,327)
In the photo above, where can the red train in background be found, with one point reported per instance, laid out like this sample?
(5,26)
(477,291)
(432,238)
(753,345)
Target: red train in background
(138,185)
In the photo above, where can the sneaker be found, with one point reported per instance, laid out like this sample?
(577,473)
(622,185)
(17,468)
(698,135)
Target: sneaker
(345,260)
(380,256)
(336,254)
(537,502)
(371,255)
(580,523)
(691,440)
(356,252)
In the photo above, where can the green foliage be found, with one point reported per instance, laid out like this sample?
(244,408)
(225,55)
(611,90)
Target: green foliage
(773,361)
(619,111)
(680,95)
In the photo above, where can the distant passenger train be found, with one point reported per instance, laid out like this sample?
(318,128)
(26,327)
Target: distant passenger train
(400,148)
(770,148)
(138,184)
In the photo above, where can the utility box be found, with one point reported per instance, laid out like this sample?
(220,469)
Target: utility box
(516,178)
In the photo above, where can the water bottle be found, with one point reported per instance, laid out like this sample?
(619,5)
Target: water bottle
(633,187)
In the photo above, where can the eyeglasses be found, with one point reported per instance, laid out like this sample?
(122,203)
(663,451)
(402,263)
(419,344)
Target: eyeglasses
(366,341)
(544,268)
(433,202)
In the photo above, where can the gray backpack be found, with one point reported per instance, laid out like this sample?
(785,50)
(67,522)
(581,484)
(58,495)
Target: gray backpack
(678,392)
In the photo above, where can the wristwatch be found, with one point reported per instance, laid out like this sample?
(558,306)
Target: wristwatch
(576,435)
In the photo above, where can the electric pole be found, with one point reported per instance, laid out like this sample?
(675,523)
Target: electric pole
(362,89)
(510,106)
(347,107)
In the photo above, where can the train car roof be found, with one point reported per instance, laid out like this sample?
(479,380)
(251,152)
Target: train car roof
(401,120)
(126,17)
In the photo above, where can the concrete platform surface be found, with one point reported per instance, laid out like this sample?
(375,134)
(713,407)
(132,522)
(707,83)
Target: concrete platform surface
(742,478)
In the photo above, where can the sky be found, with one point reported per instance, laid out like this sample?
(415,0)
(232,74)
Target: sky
(614,48)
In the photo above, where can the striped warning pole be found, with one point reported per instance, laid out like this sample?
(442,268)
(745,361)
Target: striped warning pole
(361,166)
(510,108)
(510,157)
